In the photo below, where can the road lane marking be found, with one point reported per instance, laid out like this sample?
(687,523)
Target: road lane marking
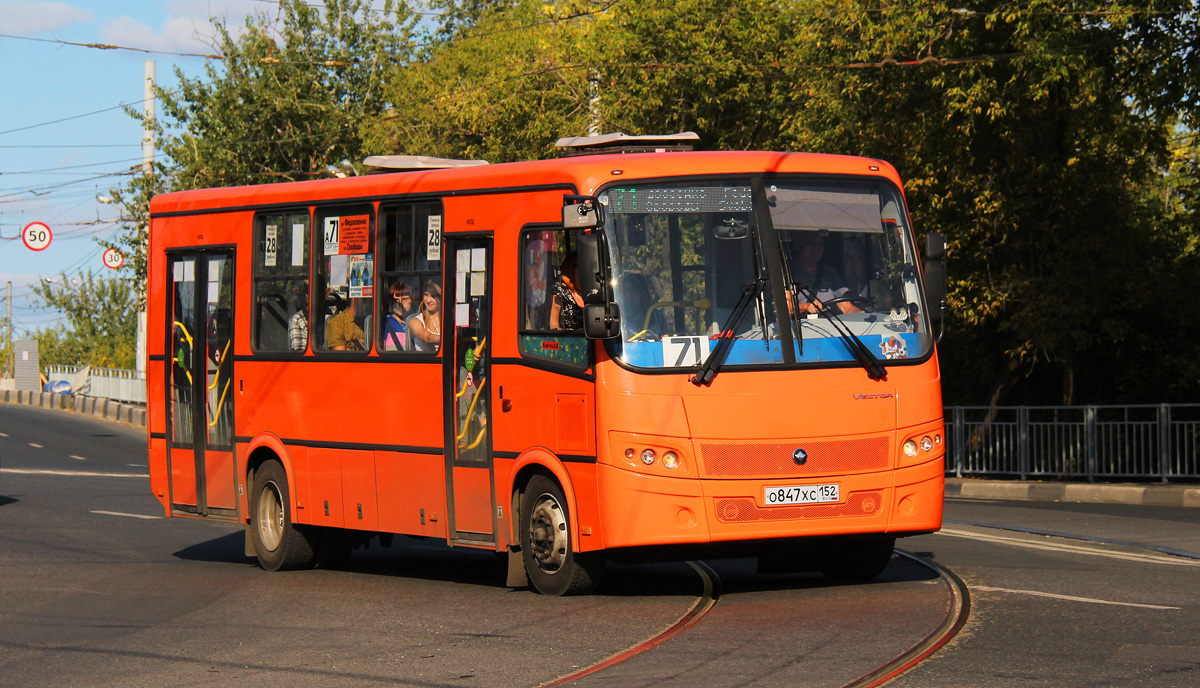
(3,434)
(72,474)
(35,445)
(118,513)
(78,458)
(1070,598)
(1073,549)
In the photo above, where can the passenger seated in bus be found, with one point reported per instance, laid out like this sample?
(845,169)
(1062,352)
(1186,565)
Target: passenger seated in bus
(298,323)
(566,306)
(342,332)
(425,328)
(806,249)
(395,325)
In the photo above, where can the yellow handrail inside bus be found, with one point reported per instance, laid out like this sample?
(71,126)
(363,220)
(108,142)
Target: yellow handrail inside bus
(470,410)
(220,357)
(482,432)
(185,332)
(217,415)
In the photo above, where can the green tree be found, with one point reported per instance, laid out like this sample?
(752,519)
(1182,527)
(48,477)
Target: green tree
(1036,135)
(286,101)
(101,321)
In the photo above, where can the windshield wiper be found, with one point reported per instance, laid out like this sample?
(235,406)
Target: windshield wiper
(869,362)
(708,369)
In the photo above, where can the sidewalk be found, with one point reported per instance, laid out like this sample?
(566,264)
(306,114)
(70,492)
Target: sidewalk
(1156,494)
(104,409)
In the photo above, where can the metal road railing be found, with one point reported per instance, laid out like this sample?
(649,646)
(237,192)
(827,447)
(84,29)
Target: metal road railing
(108,383)
(1070,442)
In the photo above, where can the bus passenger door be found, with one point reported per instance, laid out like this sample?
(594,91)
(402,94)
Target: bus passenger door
(467,372)
(200,384)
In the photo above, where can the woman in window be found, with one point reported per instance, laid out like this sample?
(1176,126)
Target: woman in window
(395,328)
(566,308)
(425,328)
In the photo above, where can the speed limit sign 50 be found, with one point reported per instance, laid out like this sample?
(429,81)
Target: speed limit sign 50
(36,236)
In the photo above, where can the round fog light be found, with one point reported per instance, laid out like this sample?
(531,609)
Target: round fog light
(629,454)
(670,460)
(648,456)
(926,443)
(910,448)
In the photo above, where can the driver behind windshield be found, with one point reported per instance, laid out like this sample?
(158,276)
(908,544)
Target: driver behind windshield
(804,251)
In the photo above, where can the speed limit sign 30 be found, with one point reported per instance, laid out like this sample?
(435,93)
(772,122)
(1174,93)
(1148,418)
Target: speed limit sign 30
(36,236)
(113,258)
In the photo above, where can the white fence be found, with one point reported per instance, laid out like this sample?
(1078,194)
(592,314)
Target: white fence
(108,383)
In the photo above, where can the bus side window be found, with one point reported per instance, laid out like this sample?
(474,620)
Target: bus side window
(410,236)
(280,276)
(542,254)
(345,278)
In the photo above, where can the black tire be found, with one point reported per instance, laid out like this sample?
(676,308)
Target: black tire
(278,543)
(545,531)
(855,559)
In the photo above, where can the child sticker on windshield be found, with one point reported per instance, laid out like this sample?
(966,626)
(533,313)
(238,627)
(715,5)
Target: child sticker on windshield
(894,347)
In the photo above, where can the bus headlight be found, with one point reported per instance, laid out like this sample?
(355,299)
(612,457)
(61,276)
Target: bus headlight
(648,456)
(910,448)
(670,459)
(926,443)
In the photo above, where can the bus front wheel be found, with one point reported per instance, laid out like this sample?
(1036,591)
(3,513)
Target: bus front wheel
(278,543)
(553,567)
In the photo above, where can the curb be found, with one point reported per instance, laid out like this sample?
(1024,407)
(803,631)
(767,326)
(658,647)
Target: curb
(1155,494)
(104,409)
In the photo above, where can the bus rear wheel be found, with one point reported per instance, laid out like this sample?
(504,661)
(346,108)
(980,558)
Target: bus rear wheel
(545,531)
(855,559)
(278,543)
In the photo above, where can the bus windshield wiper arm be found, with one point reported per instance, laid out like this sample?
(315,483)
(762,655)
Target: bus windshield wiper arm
(708,369)
(869,362)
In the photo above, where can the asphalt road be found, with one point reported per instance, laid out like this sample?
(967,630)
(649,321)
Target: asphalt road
(96,589)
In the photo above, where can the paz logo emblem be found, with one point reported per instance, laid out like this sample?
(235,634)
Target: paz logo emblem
(799,456)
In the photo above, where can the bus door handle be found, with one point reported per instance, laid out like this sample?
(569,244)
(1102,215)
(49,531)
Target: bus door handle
(505,404)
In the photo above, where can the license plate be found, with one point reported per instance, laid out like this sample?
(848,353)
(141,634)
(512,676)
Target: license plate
(800,494)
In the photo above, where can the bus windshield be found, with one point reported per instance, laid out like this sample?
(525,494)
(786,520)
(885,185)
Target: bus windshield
(839,252)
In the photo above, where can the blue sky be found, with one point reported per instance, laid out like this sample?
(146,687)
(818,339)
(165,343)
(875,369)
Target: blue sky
(46,170)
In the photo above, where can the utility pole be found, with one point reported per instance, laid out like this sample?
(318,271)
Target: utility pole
(139,359)
(8,329)
(148,124)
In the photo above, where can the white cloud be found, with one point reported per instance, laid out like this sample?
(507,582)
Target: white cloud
(33,16)
(187,28)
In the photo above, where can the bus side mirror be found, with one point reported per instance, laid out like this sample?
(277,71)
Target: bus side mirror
(935,276)
(581,212)
(587,254)
(601,320)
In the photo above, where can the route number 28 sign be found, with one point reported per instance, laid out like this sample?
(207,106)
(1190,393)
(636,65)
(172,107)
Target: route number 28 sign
(36,236)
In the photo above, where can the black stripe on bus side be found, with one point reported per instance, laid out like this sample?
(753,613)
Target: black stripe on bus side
(565,370)
(340,357)
(268,207)
(358,446)
(565,458)
(158,357)
(158,435)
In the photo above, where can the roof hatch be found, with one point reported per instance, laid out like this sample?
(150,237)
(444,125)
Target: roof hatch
(569,146)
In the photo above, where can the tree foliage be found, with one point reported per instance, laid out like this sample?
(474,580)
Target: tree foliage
(1035,135)
(101,321)
(1052,142)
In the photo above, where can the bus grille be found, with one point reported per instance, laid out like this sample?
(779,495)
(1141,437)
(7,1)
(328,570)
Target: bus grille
(775,460)
(744,510)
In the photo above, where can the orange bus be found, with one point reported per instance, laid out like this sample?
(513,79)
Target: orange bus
(662,355)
